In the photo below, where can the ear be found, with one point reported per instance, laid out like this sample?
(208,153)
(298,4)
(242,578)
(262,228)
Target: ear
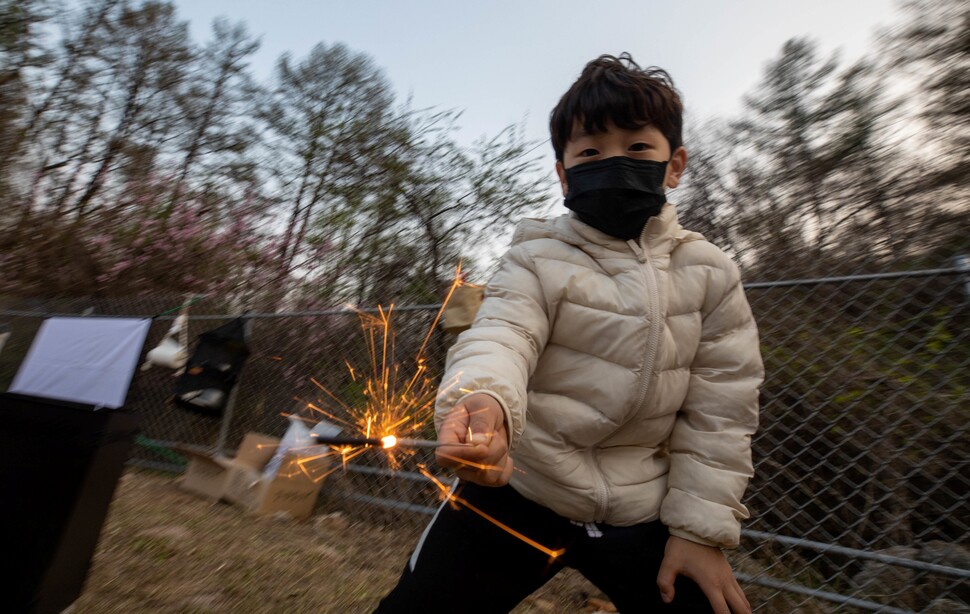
(675,168)
(561,171)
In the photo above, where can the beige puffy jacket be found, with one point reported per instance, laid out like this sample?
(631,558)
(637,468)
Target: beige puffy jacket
(628,372)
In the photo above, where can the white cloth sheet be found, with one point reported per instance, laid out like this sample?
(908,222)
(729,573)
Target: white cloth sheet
(86,360)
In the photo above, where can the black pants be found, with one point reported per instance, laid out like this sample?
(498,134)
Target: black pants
(465,563)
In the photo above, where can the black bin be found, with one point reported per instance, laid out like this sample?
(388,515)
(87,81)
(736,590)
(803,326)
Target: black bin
(59,465)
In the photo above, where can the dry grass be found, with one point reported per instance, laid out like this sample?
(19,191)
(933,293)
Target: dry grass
(163,550)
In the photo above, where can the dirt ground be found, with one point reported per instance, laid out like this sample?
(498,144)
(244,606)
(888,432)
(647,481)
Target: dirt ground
(164,550)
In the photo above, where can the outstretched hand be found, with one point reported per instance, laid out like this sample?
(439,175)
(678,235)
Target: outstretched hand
(706,566)
(478,420)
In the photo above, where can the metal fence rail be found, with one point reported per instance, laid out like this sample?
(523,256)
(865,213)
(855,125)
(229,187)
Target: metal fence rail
(861,498)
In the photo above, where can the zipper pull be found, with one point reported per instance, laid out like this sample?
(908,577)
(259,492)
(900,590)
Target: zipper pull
(640,253)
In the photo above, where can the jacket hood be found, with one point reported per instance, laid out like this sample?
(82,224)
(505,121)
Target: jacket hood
(660,236)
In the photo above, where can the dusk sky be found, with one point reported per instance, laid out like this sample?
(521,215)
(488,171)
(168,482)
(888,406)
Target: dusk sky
(504,62)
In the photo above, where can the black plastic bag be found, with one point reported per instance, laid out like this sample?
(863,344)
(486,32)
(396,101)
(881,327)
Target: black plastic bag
(213,369)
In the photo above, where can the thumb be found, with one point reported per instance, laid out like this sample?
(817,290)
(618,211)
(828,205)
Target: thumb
(454,427)
(482,422)
(480,426)
(665,581)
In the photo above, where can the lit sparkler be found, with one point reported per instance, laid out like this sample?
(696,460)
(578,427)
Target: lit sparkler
(395,411)
(397,406)
(388,441)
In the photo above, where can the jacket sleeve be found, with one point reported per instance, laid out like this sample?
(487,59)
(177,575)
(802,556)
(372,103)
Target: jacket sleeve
(498,354)
(710,445)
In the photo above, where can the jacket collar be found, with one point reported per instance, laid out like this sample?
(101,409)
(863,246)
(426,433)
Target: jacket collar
(663,233)
(660,236)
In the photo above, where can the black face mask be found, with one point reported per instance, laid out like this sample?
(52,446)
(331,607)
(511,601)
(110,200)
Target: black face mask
(616,195)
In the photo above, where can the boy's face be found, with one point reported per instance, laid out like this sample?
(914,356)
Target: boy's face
(645,143)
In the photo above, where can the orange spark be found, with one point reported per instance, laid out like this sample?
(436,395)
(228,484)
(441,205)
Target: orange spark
(395,401)
(470,463)
(455,499)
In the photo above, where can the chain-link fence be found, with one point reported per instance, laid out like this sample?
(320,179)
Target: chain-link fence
(861,499)
(861,490)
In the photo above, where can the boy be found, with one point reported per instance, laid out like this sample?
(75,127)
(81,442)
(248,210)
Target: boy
(610,384)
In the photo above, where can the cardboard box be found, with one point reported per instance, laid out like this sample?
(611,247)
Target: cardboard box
(206,474)
(240,480)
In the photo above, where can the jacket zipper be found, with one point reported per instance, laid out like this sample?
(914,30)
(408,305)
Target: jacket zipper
(656,326)
(653,343)
(602,490)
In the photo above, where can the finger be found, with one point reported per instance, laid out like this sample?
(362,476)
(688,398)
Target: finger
(455,426)
(482,477)
(470,475)
(446,460)
(665,581)
(492,457)
(465,458)
(507,471)
(718,604)
(497,474)
(509,468)
(498,445)
(461,457)
(737,600)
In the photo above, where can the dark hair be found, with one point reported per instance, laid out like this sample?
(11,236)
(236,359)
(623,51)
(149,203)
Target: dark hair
(618,90)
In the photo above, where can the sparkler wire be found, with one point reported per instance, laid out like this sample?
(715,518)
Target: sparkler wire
(350,441)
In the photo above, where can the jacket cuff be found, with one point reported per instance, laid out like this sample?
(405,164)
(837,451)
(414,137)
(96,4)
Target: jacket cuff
(705,522)
(691,537)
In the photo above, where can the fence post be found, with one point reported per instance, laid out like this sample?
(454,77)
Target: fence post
(231,402)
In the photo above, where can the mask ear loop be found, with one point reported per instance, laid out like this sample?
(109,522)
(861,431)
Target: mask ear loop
(666,168)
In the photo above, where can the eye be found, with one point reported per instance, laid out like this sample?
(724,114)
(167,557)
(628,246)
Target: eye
(588,153)
(640,147)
